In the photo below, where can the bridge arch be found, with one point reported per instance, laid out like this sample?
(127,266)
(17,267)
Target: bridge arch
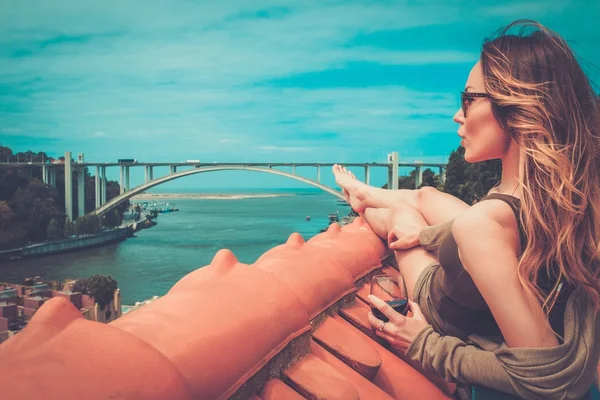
(142,188)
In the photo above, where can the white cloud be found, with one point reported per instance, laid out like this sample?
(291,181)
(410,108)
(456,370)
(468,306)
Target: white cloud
(179,75)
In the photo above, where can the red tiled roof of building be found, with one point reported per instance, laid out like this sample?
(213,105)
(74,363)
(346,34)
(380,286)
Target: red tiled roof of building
(292,325)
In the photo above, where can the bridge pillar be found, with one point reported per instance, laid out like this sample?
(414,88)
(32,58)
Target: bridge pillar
(294,169)
(146,174)
(442,175)
(97,195)
(393,170)
(52,172)
(173,169)
(418,176)
(127,179)
(80,192)
(103,187)
(122,180)
(68,187)
(367,178)
(151,173)
(318,174)
(45,174)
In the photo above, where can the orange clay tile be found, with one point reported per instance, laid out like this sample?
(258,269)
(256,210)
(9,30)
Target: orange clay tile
(315,379)
(389,270)
(348,347)
(365,388)
(356,314)
(61,355)
(317,280)
(399,379)
(220,324)
(355,245)
(227,329)
(275,389)
(363,292)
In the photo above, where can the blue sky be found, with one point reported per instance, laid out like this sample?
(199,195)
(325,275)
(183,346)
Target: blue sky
(169,80)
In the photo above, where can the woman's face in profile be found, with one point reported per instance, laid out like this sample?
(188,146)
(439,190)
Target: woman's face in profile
(482,137)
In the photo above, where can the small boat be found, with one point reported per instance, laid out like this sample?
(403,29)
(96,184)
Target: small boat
(334,217)
(308,217)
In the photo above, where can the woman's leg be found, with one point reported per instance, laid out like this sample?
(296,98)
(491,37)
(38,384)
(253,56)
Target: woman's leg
(435,206)
(411,262)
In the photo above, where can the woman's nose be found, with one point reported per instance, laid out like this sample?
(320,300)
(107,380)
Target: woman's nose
(459,117)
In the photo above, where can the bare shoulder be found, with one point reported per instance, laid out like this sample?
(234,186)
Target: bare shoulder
(490,219)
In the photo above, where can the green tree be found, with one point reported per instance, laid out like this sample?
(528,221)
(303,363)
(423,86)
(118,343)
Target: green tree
(12,232)
(80,286)
(430,178)
(87,224)
(102,289)
(31,206)
(53,230)
(470,182)
(34,206)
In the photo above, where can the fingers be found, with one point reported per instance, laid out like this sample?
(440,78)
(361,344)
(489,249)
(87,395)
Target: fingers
(416,311)
(376,323)
(391,238)
(385,308)
(389,333)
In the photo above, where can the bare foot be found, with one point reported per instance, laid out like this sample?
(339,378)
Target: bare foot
(354,190)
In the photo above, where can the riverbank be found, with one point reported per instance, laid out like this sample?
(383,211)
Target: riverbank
(157,196)
(67,245)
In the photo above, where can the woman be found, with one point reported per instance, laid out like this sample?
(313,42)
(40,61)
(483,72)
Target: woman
(509,264)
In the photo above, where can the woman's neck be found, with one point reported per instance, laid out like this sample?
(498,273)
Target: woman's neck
(510,171)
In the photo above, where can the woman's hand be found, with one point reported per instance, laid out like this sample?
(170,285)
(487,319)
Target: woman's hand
(404,236)
(400,331)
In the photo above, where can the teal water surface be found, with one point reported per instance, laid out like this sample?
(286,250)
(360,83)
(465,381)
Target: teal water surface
(150,263)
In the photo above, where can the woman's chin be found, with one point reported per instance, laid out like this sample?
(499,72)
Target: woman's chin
(469,157)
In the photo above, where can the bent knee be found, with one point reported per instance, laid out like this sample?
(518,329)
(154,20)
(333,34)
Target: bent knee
(405,212)
(427,191)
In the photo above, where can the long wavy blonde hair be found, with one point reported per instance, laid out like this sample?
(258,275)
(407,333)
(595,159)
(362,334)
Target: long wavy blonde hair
(542,98)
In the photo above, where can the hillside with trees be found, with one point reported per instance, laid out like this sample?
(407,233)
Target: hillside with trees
(31,211)
(468,182)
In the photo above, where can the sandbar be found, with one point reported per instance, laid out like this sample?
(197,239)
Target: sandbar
(202,196)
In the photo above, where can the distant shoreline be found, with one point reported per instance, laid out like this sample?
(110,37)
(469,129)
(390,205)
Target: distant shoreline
(199,196)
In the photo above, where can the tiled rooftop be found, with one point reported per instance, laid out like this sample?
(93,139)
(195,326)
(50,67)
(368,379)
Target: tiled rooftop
(292,325)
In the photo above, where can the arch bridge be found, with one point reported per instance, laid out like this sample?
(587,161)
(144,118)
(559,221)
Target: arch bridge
(102,205)
(155,182)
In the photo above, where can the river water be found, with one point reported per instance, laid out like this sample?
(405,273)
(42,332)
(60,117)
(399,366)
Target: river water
(150,263)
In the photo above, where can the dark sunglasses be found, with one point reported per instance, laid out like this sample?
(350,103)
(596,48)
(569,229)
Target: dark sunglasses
(466,97)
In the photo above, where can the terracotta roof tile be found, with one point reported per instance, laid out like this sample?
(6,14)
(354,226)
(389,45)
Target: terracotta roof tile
(317,282)
(365,388)
(398,378)
(350,348)
(228,330)
(315,379)
(220,324)
(65,356)
(274,389)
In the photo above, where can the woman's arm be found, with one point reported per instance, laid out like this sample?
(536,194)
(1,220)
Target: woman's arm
(488,245)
